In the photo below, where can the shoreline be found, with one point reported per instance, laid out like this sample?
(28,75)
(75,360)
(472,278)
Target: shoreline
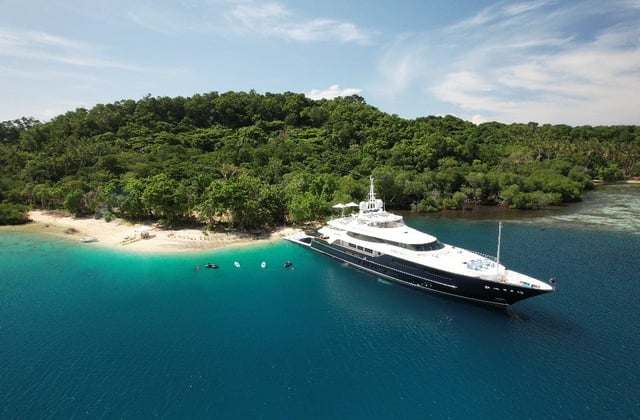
(632,181)
(113,235)
(121,235)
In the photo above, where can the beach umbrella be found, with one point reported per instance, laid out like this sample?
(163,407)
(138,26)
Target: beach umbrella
(339,206)
(351,204)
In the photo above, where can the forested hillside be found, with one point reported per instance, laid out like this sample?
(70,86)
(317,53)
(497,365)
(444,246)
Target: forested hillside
(249,160)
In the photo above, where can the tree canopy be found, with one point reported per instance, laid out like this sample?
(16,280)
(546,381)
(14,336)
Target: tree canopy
(250,160)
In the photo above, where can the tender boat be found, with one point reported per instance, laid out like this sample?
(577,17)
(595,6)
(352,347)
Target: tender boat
(380,243)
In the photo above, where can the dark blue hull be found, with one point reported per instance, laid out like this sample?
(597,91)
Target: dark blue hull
(426,278)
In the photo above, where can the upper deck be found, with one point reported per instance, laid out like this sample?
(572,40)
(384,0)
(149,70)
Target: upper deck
(373,221)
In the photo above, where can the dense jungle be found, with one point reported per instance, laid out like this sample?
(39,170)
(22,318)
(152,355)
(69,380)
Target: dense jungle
(249,161)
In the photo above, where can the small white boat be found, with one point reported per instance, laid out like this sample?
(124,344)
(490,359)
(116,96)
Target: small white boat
(237,264)
(87,239)
(263,264)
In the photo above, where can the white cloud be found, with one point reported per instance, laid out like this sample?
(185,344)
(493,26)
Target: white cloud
(320,30)
(463,88)
(478,119)
(332,92)
(41,46)
(271,19)
(49,40)
(552,62)
(400,65)
(499,14)
(250,13)
(274,19)
(518,8)
(17,43)
(154,19)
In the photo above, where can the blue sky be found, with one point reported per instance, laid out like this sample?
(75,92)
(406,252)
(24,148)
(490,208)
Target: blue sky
(570,62)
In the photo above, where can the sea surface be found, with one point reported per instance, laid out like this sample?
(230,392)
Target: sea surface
(91,333)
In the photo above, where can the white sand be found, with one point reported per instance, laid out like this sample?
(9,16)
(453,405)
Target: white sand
(114,234)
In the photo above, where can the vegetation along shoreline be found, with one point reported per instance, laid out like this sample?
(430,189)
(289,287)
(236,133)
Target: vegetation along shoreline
(246,162)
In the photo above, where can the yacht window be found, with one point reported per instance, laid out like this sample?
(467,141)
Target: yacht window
(386,224)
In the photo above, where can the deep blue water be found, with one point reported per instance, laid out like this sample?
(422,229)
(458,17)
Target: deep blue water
(89,333)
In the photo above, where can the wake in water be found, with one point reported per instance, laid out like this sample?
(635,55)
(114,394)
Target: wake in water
(516,315)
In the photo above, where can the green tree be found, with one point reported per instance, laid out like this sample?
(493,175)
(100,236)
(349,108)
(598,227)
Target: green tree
(243,201)
(75,203)
(128,198)
(165,197)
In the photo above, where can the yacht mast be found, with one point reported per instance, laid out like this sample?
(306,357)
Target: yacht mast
(372,194)
(371,205)
(499,240)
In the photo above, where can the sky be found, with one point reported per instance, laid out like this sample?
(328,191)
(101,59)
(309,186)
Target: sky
(574,62)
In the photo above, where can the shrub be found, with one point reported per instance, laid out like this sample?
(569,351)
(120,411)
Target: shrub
(13,214)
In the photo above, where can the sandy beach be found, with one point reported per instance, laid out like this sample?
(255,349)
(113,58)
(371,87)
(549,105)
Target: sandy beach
(122,235)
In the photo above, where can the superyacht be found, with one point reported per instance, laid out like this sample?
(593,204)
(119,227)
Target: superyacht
(380,243)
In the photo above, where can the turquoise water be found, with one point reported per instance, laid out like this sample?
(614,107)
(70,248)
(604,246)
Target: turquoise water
(89,333)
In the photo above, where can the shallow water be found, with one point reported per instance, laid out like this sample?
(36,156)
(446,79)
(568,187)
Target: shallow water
(91,333)
(613,207)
